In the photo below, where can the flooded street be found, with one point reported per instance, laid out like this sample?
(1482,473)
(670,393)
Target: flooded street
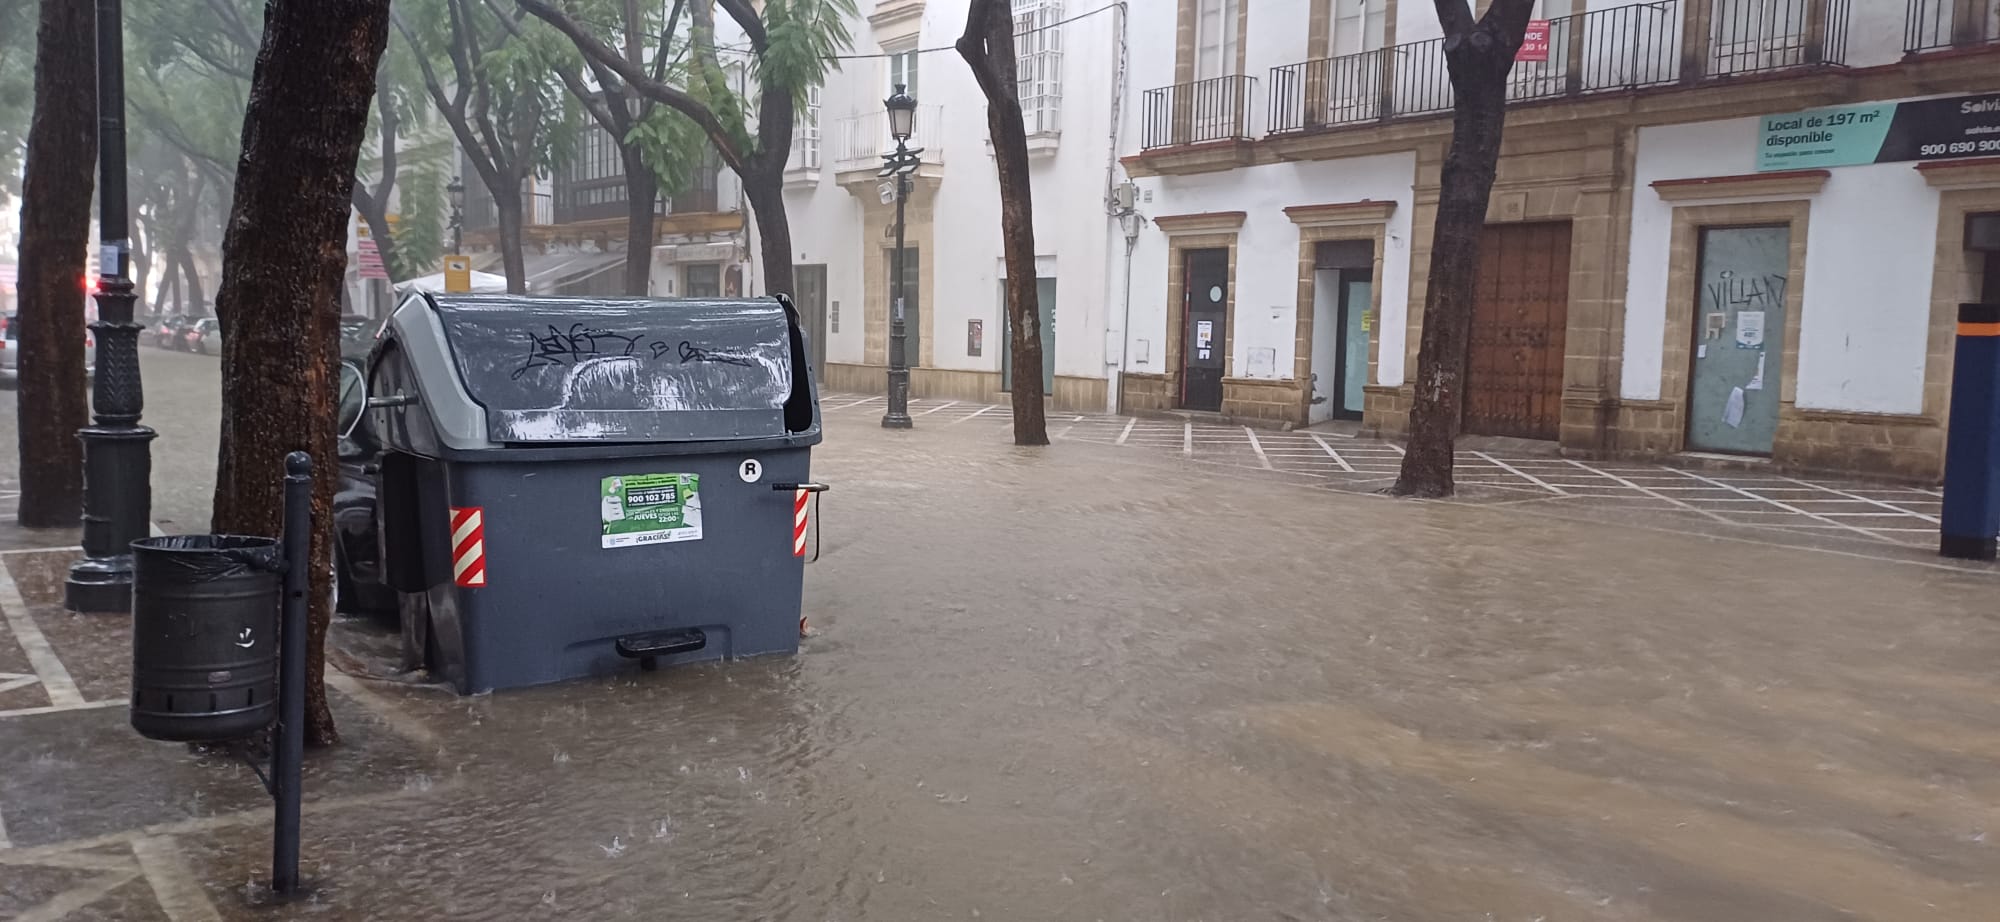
(1067,683)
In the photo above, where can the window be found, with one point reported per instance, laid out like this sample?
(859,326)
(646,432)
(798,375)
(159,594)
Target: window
(903,71)
(1359,25)
(805,136)
(1215,38)
(702,280)
(1038,63)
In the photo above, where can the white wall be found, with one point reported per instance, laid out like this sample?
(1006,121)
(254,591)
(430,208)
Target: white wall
(1267,254)
(1870,245)
(962,259)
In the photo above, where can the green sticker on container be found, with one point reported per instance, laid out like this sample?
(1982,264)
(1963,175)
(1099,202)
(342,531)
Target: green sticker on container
(650,509)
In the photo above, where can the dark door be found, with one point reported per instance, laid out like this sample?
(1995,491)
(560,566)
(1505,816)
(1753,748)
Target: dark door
(913,327)
(1045,310)
(1206,285)
(810,283)
(1739,339)
(1514,367)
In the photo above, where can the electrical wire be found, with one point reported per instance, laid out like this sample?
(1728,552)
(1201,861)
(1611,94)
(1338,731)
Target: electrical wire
(745,49)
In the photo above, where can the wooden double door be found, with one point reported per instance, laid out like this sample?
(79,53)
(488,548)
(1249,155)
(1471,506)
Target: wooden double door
(1514,362)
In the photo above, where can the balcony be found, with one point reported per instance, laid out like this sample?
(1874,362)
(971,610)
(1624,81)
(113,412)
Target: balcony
(1938,25)
(1218,109)
(1610,50)
(1755,36)
(1617,49)
(859,141)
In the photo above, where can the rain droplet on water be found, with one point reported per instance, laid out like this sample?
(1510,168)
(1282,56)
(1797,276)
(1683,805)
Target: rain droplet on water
(548,897)
(742,774)
(616,848)
(562,758)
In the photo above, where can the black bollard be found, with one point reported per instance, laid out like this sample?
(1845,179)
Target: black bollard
(287,759)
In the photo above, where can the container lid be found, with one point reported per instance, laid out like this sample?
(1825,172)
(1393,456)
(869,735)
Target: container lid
(621,369)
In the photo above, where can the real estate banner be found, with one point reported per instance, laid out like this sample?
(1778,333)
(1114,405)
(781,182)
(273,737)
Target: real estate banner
(1924,129)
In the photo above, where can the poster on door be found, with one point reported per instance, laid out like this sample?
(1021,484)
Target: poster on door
(1204,337)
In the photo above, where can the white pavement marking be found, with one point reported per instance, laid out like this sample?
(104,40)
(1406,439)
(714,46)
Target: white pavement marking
(1785,506)
(155,528)
(1524,475)
(982,411)
(854,404)
(174,884)
(1337,459)
(942,406)
(374,703)
(41,550)
(83,894)
(1258,447)
(1859,498)
(1127,433)
(61,708)
(4,841)
(41,657)
(1650,491)
(1187,438)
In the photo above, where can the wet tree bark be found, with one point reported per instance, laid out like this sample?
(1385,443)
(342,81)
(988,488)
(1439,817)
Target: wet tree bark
(1479,55)
(52,401)
(642,187)
(284,253)
(988,48)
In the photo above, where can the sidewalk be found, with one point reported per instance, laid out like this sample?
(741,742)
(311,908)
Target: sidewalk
(1872,519)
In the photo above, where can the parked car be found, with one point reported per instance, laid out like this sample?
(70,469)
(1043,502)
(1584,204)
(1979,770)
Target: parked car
(359,584)
(167,333)
(205,336)
(10,350)
(358,331)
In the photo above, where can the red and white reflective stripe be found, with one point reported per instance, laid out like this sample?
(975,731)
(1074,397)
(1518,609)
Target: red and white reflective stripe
(799,523)
(468,547)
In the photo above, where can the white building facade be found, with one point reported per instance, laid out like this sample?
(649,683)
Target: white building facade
(1070,54)
(1719,226)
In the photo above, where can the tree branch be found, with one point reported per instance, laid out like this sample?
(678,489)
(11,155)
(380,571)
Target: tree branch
(972,47)
(234,26)
(1454,16)
(636,78)
(747,19)
(453,110)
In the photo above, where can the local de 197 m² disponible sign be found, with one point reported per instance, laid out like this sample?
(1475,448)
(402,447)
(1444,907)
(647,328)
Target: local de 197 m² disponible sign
(1926,129)
(650,509)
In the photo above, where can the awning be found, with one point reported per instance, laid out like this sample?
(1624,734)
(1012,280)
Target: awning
(547,272)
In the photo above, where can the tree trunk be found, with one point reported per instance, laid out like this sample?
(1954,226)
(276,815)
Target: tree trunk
(197,300)
(765,188)
(988,48)
(507,214)
(1478,55)
(642,187)
(52,402)
(284,254)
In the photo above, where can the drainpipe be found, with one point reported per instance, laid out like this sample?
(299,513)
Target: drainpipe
(1119,218)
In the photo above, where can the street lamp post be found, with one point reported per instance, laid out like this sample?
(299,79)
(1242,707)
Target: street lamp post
(899,164)
(117,451)
(457,191)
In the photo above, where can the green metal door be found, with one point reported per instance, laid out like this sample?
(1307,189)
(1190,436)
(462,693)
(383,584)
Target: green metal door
(1739,339)
(1045,308)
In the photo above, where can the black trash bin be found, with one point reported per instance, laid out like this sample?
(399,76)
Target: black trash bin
(205,636)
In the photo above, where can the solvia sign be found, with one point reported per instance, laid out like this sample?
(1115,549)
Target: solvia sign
(1923,129)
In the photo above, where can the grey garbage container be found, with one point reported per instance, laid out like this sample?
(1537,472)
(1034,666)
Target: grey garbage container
(569,485)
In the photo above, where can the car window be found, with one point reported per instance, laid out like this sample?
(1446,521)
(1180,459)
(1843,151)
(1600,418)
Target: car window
(351,401)
(13,321)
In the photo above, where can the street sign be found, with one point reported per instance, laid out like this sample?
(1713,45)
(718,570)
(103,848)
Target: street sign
(1923,129)
(370,260)
(457,274)
(1534,42)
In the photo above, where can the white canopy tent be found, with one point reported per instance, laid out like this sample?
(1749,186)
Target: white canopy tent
(482,283)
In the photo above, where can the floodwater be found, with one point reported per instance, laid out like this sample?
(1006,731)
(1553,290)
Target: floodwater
(1058,684)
